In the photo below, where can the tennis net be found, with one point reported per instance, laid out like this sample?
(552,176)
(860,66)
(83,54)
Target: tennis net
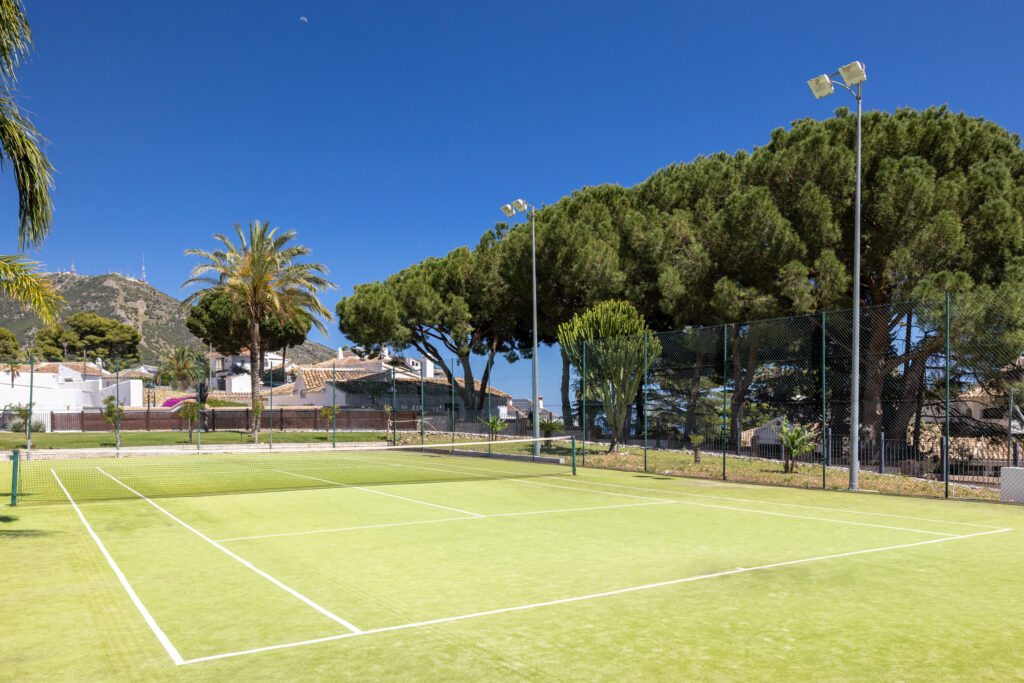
(92,474)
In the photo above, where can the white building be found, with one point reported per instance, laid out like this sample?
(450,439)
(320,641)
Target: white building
(64,387)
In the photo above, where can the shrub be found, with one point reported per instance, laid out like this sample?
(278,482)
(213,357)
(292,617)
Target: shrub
(19,426)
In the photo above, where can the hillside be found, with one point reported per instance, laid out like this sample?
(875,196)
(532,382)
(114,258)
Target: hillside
(157,316)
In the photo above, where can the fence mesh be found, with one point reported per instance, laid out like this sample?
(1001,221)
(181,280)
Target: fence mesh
(718,402)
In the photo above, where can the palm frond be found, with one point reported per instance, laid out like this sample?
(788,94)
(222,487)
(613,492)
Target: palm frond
(22,281)
(21,148)
(15,39)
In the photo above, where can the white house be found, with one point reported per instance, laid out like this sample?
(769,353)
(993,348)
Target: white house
(58,387)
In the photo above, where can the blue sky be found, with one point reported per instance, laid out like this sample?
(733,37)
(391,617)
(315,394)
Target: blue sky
(387,132)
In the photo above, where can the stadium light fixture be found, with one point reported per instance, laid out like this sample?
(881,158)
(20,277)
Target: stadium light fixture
(853,75)
(821,86)
(521,206)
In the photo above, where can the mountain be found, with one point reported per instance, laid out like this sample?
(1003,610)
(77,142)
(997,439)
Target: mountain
(157,316)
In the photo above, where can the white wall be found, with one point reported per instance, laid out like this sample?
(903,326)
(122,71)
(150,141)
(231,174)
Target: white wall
(51,393)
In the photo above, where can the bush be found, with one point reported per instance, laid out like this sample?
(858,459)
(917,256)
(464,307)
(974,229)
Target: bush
(18,426)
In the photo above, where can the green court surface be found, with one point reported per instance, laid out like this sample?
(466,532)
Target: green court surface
(426,566)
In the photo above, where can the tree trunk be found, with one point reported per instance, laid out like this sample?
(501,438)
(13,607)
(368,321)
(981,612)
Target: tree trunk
(692,398)
(568,415)
(254,386)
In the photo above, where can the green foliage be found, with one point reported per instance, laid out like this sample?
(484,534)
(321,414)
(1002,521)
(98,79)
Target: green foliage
(796,441)
(218,320)
(56,343)
(112,410)
(9,347)
(91,336)
(263,276)
(452,306)
(183,367)
(18,425)
(189,410)
(549,426)
(494,425)
(611,337)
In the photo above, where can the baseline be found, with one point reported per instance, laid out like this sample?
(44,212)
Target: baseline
(327,613)
(579,598)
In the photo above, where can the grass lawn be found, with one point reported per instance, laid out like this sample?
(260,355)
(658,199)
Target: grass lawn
(476,569)
(10,440)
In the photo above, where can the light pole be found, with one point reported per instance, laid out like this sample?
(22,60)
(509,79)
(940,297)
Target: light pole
(510,210)
(853,76)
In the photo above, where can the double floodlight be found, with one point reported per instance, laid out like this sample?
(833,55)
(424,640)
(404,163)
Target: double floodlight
(853,74)
(519,205)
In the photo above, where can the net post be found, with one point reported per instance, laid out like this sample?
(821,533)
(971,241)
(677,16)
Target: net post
(725,388)
(824,405)
(490,434)
(645,401)
(31,387)
(572,438)
(583,399)
(334,409)
(15,456)
(945,456)
(1009,426)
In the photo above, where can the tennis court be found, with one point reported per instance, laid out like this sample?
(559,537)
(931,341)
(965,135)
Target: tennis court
(451,562)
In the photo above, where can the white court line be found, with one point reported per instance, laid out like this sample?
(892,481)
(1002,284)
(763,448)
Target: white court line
(246,563)
(680,502)
(579,598)
(147,617)
(391,495)
(740,500)
(446,519)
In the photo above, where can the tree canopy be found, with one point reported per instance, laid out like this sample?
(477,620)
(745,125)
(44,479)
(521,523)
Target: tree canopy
(753,235)
(92,336)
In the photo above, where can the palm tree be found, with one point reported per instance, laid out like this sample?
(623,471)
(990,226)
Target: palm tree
(21,148)
(181,365)
(262,276)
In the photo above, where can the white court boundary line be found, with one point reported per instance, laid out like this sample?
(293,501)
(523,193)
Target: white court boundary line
(322,610)
(146,616)
(628,495)
(579,598)
(445,519)
(391,495)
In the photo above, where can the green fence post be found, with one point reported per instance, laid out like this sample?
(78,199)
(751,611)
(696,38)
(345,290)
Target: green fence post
(394,406)
(453,406)
(824,407)
(271,403)
(199,432)
(489,433)
(334,408)
(725,388)
(423,370)
(945,456)
(14,476)
(645,401)
(117,405)
(572,438)
(583,398)
(31,387)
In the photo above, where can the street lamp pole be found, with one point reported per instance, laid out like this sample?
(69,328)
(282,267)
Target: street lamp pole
(510,210)
(853,76)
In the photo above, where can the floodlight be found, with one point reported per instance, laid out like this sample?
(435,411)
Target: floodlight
(520,205)
(508,210)
(821,86)
(853,73)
